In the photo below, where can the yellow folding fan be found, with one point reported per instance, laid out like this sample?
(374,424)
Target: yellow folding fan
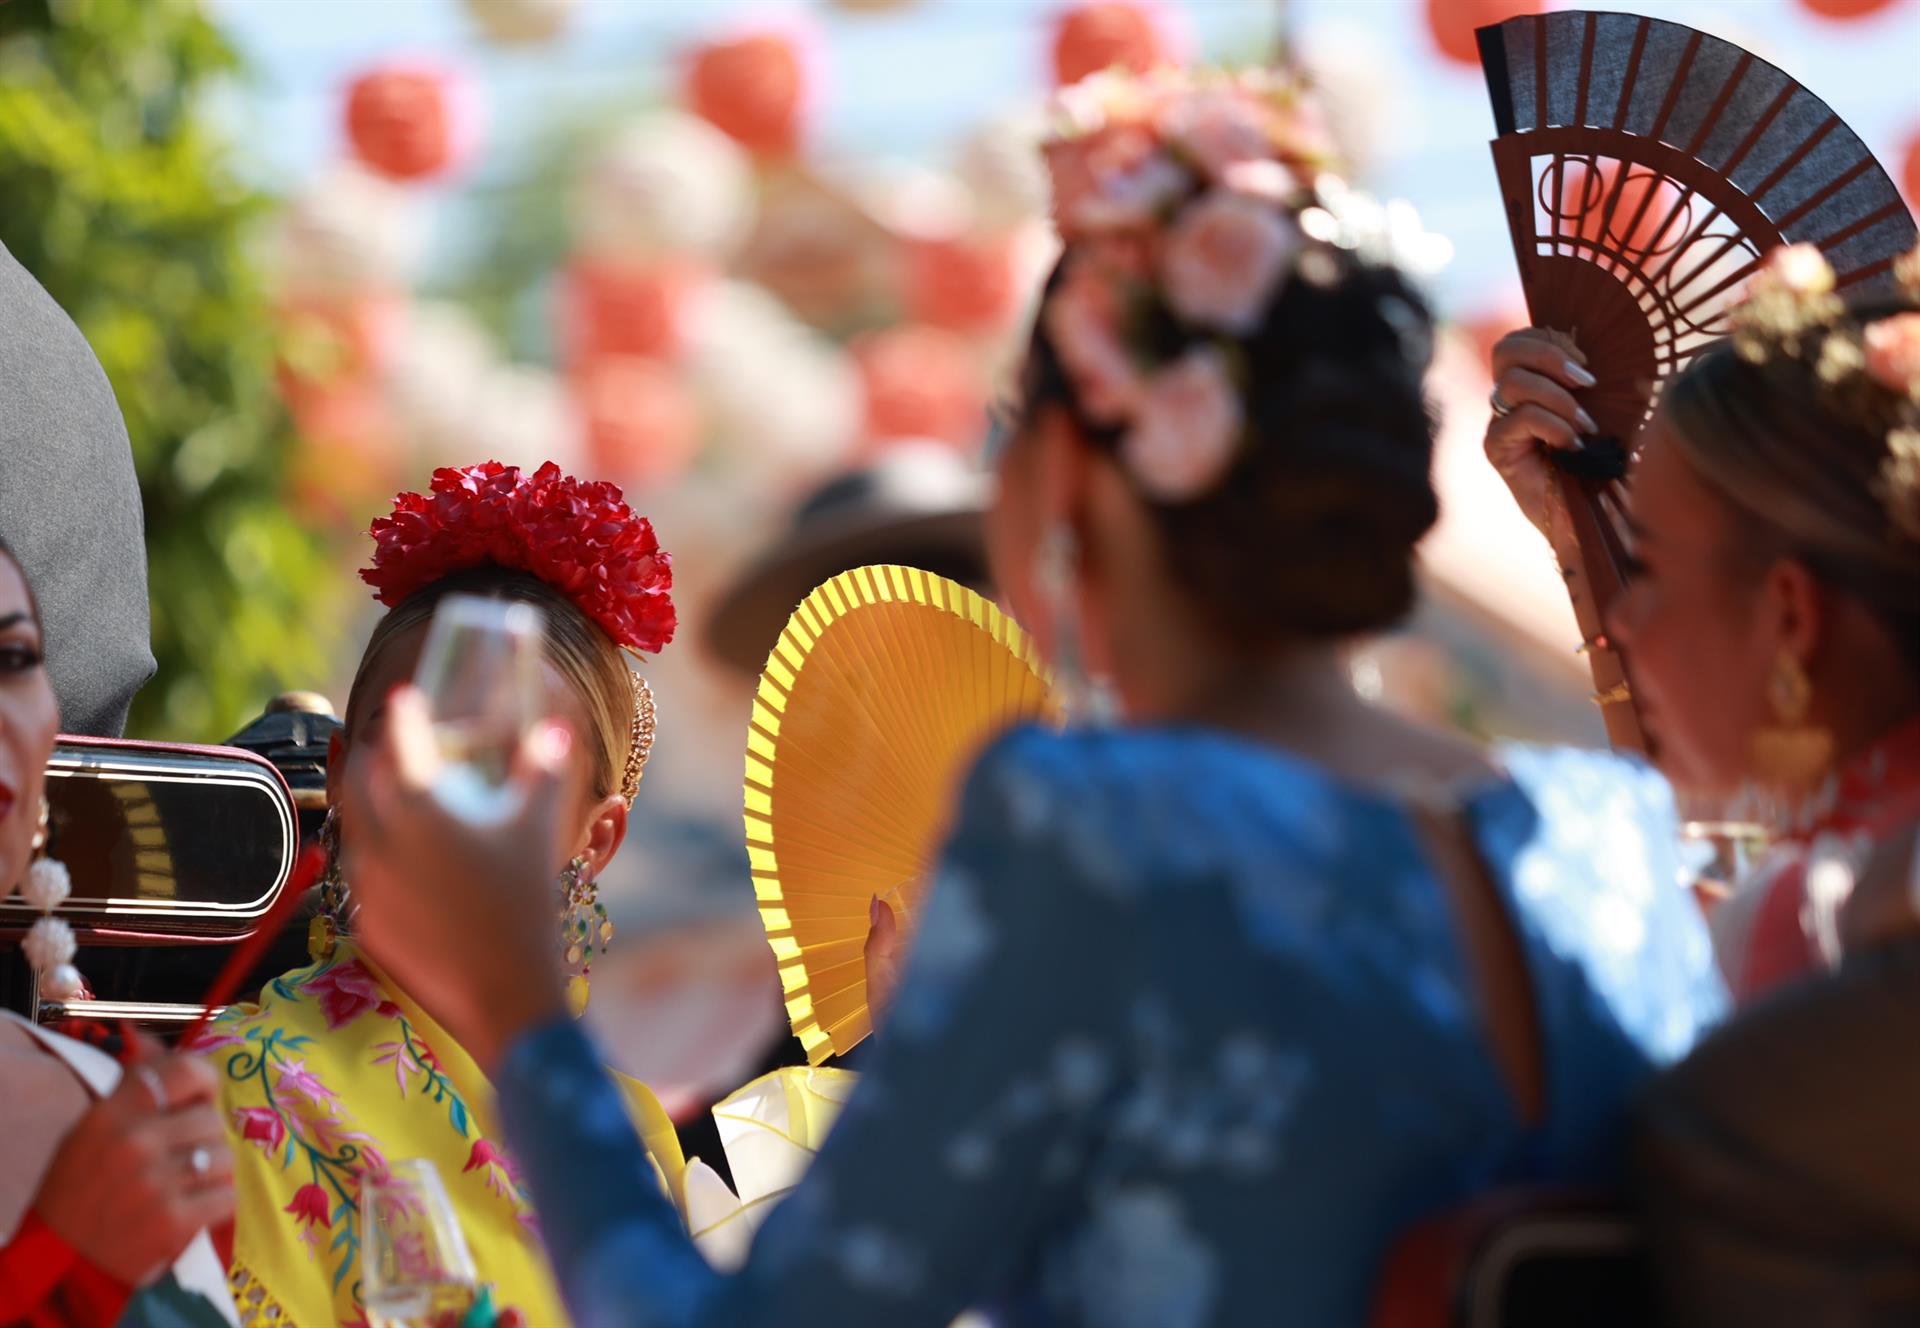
(885,685)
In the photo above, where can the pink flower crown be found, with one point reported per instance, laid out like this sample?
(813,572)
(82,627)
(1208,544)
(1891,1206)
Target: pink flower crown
(1869,370)
(1199,195)
(579,537)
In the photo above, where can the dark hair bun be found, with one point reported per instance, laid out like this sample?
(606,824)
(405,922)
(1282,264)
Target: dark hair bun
(1312,532)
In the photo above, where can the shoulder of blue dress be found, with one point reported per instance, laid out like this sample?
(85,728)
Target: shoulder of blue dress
(1597,873)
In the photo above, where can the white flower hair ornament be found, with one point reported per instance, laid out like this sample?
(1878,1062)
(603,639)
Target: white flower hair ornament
(1195,197)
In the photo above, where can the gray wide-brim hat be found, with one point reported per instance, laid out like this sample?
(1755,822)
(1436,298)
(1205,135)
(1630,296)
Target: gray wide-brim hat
(919,505)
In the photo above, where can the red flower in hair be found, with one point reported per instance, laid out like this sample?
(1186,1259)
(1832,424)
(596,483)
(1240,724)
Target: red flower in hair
(581,538)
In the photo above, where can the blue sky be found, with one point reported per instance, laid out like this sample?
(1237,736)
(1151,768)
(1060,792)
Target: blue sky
(910,82)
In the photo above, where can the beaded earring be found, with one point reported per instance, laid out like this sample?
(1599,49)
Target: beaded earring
(585,929)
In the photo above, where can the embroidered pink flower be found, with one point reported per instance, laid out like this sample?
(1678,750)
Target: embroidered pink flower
(1892,346)
(1797,269)
(310,1206)
(1188,431)
(1082,319)
(261,1125)
(1217,129)
(295,1078)
(1223,259)
(496,1164)
(347,991)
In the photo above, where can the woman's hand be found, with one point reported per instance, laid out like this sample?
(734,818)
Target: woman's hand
(463,916)
(1536,371)
(143,1172)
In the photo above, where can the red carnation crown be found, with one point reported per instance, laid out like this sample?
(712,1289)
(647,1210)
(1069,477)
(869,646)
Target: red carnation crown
(580,538)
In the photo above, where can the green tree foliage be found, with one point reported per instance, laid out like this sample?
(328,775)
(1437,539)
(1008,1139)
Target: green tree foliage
(121,197)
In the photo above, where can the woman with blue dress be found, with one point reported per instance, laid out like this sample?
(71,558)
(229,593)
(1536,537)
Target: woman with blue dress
(1209,1004)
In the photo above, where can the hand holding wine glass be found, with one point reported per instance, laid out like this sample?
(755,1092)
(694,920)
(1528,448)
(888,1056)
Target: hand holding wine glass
(457,833)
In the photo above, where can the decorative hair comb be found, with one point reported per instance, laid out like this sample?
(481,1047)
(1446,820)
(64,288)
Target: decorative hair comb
(1647,169)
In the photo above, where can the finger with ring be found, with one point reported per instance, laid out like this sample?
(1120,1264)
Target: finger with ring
(200,1160)
(1499,403)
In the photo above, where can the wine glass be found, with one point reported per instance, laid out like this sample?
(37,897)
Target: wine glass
(416,1271)
(480,672)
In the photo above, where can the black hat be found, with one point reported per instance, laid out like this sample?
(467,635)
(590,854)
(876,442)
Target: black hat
(919,505)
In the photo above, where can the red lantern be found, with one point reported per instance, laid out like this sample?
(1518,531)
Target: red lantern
(1910,173)
(642,424)
(409,122)
(1105,34)
(921,382)
(1452,23)
(753,88)
(1846,9)
(968,285)
(613,310)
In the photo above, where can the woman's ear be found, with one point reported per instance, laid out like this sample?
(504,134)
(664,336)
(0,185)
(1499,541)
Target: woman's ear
(606,830)
(1061,474)
(1795,610)
(336,766)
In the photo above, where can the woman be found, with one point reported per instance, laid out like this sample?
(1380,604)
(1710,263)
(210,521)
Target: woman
(1208,1006)
(105,1181)
(338,1068)
(1777,615)
(1774,621)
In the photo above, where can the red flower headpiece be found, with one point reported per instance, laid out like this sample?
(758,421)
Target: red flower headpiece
(580,538)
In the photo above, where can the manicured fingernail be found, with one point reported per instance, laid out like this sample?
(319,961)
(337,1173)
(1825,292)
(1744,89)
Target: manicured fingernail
(873,910)
(1578,375)
(1586,421)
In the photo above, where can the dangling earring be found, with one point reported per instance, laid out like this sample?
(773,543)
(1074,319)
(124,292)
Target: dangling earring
(49,945)
(1791,756)
(1056,576)
(585,929)
(336,901)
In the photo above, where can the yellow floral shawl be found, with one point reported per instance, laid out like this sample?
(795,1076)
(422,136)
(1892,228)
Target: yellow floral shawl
(336,1071)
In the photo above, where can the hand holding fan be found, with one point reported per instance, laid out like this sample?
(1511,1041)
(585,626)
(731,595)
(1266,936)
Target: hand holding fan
(1646,170)
(885,685)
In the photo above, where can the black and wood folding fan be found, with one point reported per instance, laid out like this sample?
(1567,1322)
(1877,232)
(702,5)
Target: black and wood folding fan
(1647,169)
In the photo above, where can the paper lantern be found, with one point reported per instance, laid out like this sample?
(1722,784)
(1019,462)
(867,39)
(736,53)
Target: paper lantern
(521,22)
(783,404)
(1843,10)
(753,88)
(1451,24)
(921,382)
(411,121)
(642,424)
(611,310)
(1001,163)
(1106,34)
(668,186)
(347,232)
(1910,172)
(523,416)
(438,364)
(968,284)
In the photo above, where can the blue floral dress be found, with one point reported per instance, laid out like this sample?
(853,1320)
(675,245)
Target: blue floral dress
(1187,1038)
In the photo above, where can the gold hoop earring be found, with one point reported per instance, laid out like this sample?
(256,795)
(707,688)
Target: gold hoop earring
(1791,754)
(336,901)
